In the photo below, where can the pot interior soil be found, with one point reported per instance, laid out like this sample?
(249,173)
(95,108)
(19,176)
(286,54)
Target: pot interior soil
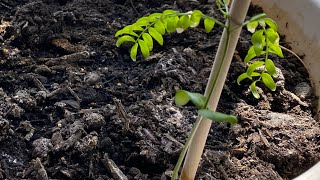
(73,106)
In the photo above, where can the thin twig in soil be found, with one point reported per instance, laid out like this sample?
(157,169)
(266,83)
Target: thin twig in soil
(132,5)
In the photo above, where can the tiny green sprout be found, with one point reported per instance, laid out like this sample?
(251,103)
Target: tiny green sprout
(264,41)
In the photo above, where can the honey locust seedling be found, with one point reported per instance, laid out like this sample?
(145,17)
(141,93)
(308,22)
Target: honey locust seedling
(145,30)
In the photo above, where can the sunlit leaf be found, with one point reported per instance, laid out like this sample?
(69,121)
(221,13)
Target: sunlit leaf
(271,69)
(195,18)
(268,81)
(160,27)
(143,21)
(273,36)
(258,39)
(154,17)
(242,77)
(182,97)
(271,23)
(133,52)
(171,23)
(217,116)
(183,23)
(208,24)
(126,30)
(144,48)
(254,66)
(253,90)
(148,39)
(123,39)
(156,35)
(275,49)
(251,26)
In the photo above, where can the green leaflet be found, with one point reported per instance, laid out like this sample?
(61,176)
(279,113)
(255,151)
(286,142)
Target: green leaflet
(160,27)
(275,49)
(217,116)
(258,39)
(273,36)
(271,69)
(182,97)
(144,48)
(133,52)
(268,81)
(183,23)
(253,90)
(252,54)
(156,35)
(254,66)
(208,24)
(148,39)
(245,75)
(271,23)
(251,26)
(123,39)
(195,18)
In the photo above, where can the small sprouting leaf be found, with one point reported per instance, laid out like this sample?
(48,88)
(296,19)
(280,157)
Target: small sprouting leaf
(159,26)
(251,26)
(183,23)
(171,23)
(258,39)
(182,97)
(156,35)
(253,90)
(144,48)
(148,39)
(242,77)
(271,23)
(275,49)
(208,24)
(195,18)
(123,39)
(253,67)
(133,52)
(217,116)
(273,36)
(271,69)
(268,81)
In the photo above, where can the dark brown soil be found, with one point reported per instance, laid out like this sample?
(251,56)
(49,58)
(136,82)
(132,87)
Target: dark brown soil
(71,117)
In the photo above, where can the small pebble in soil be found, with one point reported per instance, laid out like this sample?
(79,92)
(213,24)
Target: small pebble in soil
(91,78)
(88,143)
(93,120)
(303,90)
(25,99)
(42,147)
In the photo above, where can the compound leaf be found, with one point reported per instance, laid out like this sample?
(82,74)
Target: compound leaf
(156,35)
(143,21)
(123,39)
(208,24)
(154,17)
(273,36)
(217,116)
(144,48)
(148,39)
(133,52)
(171,23)
(268,81)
